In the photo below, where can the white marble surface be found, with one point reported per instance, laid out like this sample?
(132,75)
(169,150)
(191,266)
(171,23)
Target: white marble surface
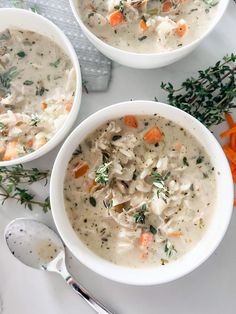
(208,290)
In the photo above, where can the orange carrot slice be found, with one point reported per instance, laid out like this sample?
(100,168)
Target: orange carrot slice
(234,202)
(130,121)
(11,151)
(143,25)
(175,234)
(146,239)
(181,29)
(153,136)
(116,18)
(69,105)
(80,169)
(30,143)
(167,6)
(44,105)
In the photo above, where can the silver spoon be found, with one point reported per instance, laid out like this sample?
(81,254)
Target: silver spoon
(38,246)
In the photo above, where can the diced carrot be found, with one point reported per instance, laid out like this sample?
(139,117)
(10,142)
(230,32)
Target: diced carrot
(11,151)
(229,119)
(181,29)
(146,239)
(80,169)
(131,121)
(175,234)
(44,105)
(30,143)
(228,132)
(153,136)
(116,18)
(69,105)
(143,25)
(178,147)
(230,154)
(167,6)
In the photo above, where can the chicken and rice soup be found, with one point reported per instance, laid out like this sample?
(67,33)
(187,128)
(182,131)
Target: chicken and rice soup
(140,191)
(37,85)
(148,26)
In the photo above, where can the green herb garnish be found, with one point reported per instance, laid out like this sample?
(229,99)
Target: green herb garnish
(40,91)
(78,151)
(153,229)
(199,160)
(2,126)
(142,38)
(34,120)
(84,86)
(185,161)
(120,7)
(102,173)
(21,54)
(92,201)
(56,63)
(158,181)
(6,78)
(28,82)
(169,249)
(12,182)
(210,95)
(108,204)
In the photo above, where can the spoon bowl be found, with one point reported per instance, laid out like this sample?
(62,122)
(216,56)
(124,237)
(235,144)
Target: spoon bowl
(34,244)
(38,246)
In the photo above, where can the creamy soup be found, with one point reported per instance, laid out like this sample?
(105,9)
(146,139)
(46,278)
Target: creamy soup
(37,85)
(140,191)
(148,26)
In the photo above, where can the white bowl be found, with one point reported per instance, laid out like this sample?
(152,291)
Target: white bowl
(218,223)
(18,18)
(145,60)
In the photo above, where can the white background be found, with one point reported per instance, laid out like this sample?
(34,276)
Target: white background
(211,289)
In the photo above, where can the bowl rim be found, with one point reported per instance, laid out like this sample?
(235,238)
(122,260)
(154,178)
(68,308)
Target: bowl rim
(128,275)
(70,119)
(137,54)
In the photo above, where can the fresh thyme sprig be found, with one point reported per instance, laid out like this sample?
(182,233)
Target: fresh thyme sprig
(102,173)
(12,181)
(169,249)
(158,180)
(6,78)
(210,95)
(140,217)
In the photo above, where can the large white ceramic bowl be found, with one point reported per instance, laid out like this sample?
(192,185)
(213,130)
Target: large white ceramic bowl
(218,223)
(145,60)
(18,18)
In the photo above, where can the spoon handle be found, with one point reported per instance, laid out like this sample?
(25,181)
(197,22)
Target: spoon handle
(96,305)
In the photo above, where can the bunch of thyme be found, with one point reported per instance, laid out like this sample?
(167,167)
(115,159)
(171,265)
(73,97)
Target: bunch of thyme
(12,182)
(209,96)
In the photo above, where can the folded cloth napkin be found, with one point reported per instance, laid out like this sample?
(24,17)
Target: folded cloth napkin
(95,68)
